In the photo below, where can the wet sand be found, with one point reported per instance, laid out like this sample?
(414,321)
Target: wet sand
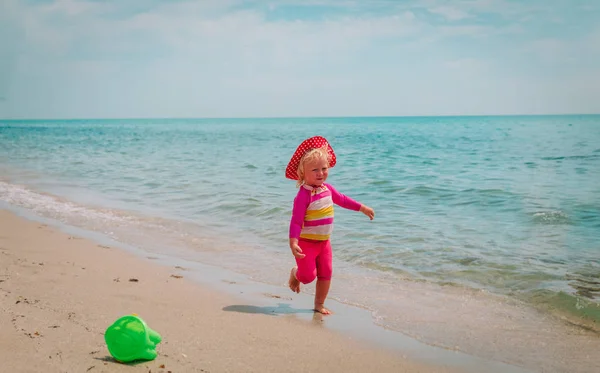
(59,293)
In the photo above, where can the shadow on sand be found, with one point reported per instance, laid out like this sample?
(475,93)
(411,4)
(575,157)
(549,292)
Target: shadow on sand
(110,359)
(280,309)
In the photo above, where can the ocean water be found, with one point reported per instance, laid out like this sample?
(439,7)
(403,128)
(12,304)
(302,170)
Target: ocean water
(505,205)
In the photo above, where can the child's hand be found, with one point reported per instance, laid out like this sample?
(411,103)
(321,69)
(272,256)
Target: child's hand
(367,211)
(296,250)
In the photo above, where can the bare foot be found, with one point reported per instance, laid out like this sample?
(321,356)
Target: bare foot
(321,309)
(294,283)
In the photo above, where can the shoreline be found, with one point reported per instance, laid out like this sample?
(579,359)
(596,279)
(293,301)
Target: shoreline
(60,292)
(245,298)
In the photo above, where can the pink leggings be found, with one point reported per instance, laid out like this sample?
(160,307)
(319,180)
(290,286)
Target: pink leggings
(316,263)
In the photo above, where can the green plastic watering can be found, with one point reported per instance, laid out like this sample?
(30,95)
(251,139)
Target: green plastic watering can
(129,339)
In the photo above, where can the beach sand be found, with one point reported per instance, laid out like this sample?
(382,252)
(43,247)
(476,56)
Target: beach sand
(59,293)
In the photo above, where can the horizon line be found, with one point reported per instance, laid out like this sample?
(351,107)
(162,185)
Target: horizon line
(306,117)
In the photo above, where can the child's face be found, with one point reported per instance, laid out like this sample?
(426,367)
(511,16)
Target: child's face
(316,171)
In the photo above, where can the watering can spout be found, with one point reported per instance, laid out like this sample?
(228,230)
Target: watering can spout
(154,336)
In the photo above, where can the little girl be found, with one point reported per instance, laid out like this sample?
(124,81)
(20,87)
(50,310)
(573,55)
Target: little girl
(312,217)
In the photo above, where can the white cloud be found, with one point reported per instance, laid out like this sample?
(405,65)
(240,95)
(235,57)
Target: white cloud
(463,9)
(500,7)
(249,25)
(73,8)
(470,64)
(583,53)
(450,13)
(466,30)
(548,47)
(183,30)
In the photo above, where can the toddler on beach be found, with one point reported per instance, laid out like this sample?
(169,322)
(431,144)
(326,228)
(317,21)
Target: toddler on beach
(311,224)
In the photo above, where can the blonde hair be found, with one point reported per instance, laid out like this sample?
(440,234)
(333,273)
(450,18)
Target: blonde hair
(310,155)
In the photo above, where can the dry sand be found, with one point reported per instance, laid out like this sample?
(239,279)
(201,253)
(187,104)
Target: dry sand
(59,293)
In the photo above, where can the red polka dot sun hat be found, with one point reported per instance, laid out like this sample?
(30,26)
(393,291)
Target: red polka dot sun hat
(291,172)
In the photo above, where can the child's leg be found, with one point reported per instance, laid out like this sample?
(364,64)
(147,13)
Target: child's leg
(306,270)
(320,295)
(324,273)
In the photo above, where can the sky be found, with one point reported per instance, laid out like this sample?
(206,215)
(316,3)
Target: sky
(229,58)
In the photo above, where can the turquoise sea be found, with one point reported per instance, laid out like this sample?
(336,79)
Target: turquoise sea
(509,205)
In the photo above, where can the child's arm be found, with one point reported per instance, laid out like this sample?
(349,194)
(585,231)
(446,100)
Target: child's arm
(350,204)
(297,221)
